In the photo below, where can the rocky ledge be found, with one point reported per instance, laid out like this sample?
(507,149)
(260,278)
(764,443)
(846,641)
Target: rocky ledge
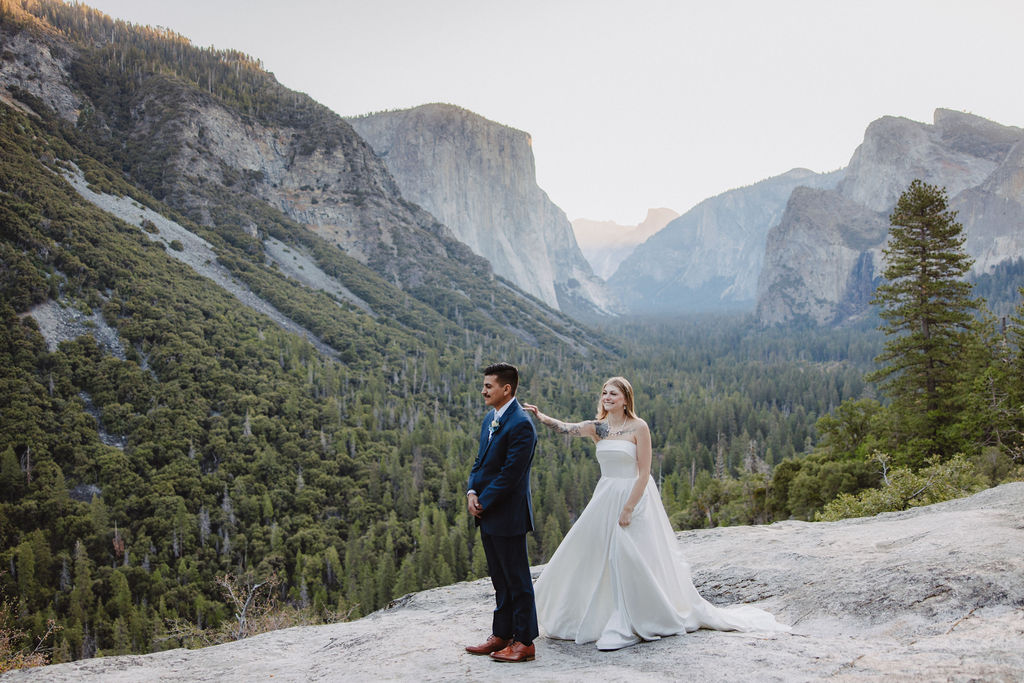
(934,593)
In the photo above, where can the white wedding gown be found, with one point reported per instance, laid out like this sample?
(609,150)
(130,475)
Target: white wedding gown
(618,586)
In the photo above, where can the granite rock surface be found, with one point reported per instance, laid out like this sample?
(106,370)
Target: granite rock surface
(931,594)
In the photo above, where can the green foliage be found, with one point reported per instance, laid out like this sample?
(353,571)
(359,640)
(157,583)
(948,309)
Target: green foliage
(848,432)
(805,485)
(17,651)
(903,488)
(928,313)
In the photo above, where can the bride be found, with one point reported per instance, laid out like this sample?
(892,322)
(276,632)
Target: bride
(618,576)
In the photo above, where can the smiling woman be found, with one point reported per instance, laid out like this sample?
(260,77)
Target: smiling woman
(622,581)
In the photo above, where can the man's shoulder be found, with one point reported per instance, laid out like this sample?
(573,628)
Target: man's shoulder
(520,419)
(515,410)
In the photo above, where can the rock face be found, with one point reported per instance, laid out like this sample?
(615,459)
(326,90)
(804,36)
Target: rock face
(478,177)
(219,165)
(832,267)
(824,257)
(214,137)
(323,176)
(710,257)
(29,63)
(934,593)
(605,243)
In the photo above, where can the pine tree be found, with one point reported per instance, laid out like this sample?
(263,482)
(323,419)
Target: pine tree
(928,313)
(994,418)
(12,479)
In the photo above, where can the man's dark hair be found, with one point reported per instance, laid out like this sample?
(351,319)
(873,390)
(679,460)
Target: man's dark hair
(506,374)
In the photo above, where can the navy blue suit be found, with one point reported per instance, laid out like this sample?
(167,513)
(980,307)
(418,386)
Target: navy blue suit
(501,478)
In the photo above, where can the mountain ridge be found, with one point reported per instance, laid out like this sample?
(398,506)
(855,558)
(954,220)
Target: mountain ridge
(979,162)
(244,172)
(709,257)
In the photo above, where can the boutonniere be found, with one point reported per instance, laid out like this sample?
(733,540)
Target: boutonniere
(494,425)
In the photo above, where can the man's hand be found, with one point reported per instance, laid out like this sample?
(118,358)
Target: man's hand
(475,508)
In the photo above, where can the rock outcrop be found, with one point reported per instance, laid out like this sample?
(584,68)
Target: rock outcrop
(839,264)
(826,251)
(606,243)
(710,257)
(478,177)
(933,593)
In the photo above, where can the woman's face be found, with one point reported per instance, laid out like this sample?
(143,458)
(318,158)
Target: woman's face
(612,398)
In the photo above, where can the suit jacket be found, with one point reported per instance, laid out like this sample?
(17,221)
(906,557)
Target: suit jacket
(501,473)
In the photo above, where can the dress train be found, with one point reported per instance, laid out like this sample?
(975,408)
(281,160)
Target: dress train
(617,586)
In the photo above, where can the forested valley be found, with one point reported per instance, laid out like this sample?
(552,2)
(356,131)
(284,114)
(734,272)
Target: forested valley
(220,449)
(221,444)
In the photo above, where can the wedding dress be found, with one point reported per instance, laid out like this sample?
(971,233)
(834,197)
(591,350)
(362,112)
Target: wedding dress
(618,586)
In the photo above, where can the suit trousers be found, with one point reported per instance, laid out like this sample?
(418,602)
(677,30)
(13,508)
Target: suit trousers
(515,612)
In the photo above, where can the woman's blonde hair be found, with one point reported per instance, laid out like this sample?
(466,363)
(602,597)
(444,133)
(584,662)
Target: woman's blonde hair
(623,385)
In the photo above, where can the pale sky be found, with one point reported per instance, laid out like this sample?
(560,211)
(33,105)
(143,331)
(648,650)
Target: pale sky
(635,103)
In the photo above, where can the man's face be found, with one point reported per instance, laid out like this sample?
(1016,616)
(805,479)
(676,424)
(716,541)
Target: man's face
(495,394)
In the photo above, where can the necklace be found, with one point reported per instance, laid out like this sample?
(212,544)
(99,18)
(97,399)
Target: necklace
(617,430)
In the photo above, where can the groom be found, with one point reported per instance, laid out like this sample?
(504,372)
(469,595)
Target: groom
(499,497)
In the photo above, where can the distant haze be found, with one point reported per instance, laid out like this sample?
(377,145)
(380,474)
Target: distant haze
(650,103)
(605,244)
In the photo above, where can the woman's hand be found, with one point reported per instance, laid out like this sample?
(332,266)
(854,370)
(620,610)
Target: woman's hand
(625,517)
(530,408)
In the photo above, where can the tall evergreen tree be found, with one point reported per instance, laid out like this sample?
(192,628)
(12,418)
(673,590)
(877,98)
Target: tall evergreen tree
(995,415)
(928,315)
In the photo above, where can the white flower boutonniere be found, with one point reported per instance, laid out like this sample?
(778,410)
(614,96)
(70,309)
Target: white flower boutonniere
(494,425)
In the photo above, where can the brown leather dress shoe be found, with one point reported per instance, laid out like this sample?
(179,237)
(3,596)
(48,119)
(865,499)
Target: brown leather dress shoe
(492,644)
(515,652)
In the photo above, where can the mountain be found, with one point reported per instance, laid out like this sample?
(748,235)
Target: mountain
(219,140)
(605,243)
(710,257)
(824,257)
(933,593)
(478,178)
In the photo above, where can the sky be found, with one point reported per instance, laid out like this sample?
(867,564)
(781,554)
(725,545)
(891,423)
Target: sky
(634,104)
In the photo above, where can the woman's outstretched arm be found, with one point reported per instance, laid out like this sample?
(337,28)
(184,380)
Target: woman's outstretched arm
(590,428)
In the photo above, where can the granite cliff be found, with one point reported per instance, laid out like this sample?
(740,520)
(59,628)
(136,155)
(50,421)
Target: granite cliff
(478,177)
(710,257)
(933,593)
(823,259)
(216,138)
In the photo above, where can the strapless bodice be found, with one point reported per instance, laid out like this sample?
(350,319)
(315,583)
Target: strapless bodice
(617,458)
